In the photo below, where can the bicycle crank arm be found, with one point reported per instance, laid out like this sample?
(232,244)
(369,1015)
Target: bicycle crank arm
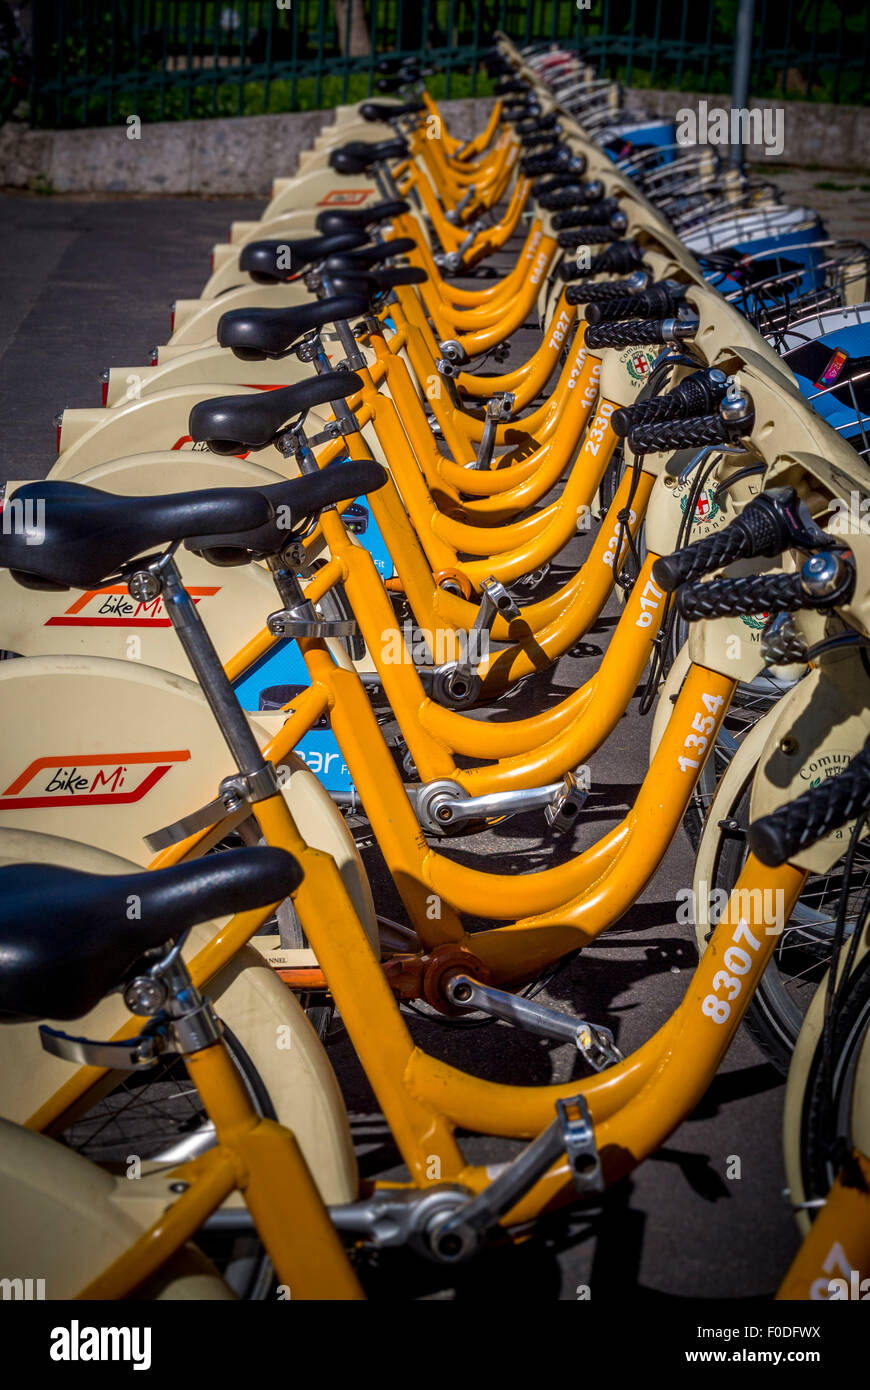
(456,684)
(443,805)
(497,411)
(593,1041)
(571,1133)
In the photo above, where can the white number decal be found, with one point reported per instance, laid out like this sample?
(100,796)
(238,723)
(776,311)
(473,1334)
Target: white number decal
(702,725)
(649,602)
(738,962)
(610,553)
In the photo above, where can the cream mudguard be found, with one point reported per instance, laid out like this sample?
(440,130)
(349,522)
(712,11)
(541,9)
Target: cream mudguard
(106,751)
(155,421)
(213,365)
(792,1118)
(317,189)
(234,601)
(195,321)
(160,421)
(65,1221)
(250,1000)
(812,733)
(208,364)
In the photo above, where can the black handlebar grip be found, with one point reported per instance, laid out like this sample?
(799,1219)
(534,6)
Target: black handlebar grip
(521,110)
(551,163)
(540,139)
(569,196)
(592,235)
(619,259)
(393,276)
(698,394)
(694,432)
(583,214)
(657,301)
(534,124)
(561,179)
(626,334)
(576,195)
(758,530)
(597,292)
(754,593)
(779,837)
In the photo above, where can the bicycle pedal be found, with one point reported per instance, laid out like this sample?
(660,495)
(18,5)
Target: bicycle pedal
(567,803)
(597,1046)
(522,587)
(578,1134)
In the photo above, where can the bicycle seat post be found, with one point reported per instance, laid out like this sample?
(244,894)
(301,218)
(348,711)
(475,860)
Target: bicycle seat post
(257,779)
(312,350)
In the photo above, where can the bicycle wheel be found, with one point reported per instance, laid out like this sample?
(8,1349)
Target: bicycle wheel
(776,1011)
(157,1117)
(832,1122)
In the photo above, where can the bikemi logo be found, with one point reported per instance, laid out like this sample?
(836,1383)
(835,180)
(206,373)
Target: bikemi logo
(77,1343)
(100,779)
(113,607)
(345,198)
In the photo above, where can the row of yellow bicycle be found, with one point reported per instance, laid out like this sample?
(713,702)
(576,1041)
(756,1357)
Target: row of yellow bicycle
(274,584)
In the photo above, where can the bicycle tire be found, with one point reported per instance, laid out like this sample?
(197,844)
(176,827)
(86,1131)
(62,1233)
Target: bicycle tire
(827,1111)
(241,1259)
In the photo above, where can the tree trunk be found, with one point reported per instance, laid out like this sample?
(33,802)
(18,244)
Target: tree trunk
(353,40)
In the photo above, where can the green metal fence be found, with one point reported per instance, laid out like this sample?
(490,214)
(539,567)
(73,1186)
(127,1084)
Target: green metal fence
(94,62)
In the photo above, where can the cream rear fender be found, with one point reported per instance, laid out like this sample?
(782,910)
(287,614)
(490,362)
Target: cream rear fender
(798,1073)
(317,189)
(292,224)
(226,273)
(68,1219)
(208,364)
(196,320)
(251,1001)
(331,135)
(211,364)
(158,422)
(234,601)
(106,751)
(299,223)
